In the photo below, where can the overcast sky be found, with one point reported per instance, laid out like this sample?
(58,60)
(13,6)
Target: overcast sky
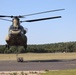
(43,32)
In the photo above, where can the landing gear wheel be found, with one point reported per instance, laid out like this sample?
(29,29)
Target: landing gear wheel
(19,59)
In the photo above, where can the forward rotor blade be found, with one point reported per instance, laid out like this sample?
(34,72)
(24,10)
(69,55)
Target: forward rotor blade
(12,16)
(43,12)
(5,19)
(5,16)
(42,19)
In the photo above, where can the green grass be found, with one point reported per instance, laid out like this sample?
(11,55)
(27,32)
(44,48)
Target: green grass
(39,56)
(61,72)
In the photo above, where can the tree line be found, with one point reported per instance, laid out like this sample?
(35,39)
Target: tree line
(43,48)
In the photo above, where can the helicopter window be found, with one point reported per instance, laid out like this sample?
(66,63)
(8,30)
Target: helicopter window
(14,28)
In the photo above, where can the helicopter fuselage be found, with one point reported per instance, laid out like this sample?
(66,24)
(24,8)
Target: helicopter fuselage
(16,36)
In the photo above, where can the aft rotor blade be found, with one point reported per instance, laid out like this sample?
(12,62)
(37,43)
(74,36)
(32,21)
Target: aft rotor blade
(5,19)
(42,19)
(43,12)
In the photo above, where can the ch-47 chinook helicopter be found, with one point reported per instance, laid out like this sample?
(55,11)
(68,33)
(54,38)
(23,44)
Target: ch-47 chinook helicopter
(16,35)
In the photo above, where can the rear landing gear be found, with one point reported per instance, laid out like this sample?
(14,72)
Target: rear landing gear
(25,46)
(7,46)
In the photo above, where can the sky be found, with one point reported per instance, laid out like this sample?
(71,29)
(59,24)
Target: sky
(42,32)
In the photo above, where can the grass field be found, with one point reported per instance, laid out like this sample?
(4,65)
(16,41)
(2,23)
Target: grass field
(61,72)
(39,56)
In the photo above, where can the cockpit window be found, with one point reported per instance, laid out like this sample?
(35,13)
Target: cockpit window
(14,28)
